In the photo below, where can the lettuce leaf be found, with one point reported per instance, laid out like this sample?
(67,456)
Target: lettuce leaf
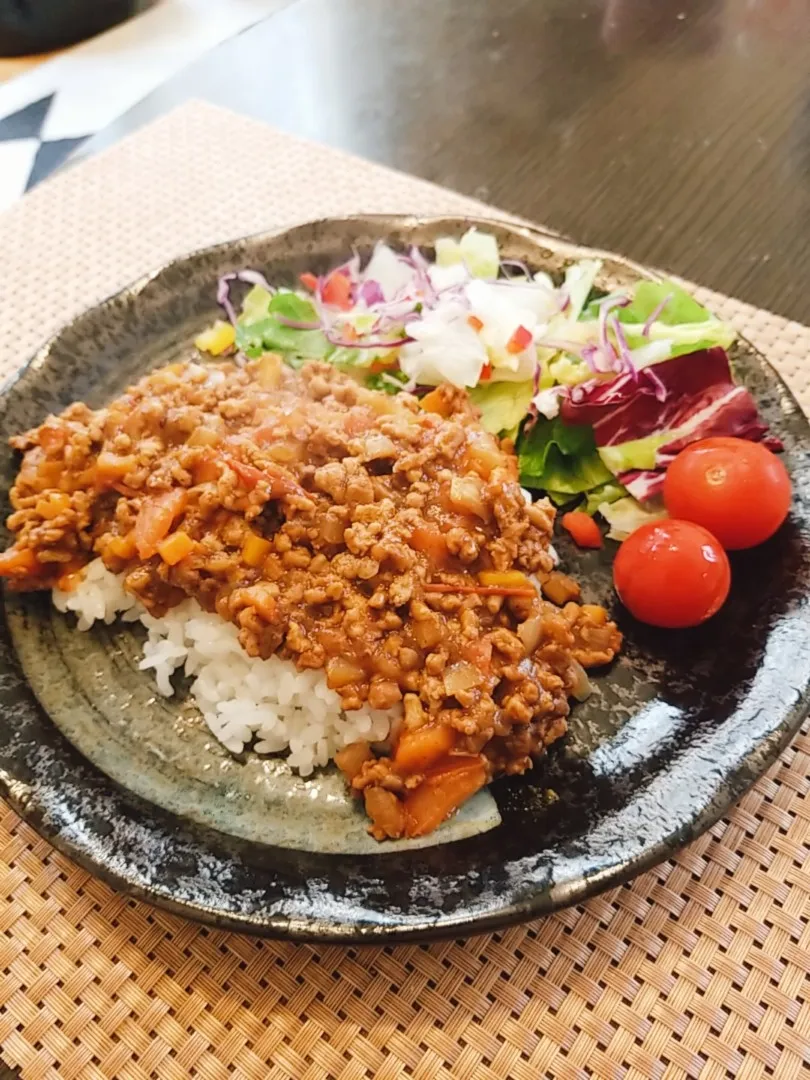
(268,334)
(681,308)
(390,382)
(256,305)
(624,516)
(684,325)
(503,404)
(608,493)
(561,458)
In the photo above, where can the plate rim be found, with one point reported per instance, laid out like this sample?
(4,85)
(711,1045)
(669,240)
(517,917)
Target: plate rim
(542,901)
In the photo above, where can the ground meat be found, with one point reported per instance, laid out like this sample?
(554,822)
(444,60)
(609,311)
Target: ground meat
(385,542)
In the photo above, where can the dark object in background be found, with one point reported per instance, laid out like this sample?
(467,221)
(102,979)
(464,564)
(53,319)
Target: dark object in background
(32,26)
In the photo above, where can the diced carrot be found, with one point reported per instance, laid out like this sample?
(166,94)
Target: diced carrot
(475,322)
(445,787)
(18,562)
(53,504)
(417,750)
(432,543)
(176,547)
(583,529)
(383,363)
(155,519)
(255,549)
(436,402)
(337,290)
(309,281)
(121,547)
(520,340)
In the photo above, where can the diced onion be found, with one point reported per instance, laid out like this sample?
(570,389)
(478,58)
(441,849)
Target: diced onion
(461,676)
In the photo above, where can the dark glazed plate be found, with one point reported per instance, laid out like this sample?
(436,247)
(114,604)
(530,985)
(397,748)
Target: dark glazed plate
(676,731)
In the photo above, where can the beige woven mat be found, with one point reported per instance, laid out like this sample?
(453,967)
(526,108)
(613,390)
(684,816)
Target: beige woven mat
(697,969)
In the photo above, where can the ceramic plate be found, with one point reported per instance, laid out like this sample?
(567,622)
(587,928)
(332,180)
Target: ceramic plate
(134,788)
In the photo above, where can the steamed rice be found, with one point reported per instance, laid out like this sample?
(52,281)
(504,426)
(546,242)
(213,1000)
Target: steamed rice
(267,704)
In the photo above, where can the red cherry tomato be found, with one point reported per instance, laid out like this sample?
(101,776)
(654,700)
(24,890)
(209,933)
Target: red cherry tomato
(736,489)
(672,574)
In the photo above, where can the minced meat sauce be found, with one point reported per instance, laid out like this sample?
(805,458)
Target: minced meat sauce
(384,541)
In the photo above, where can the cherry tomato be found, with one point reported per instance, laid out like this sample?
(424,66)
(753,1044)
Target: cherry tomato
(672,573)
(736,489)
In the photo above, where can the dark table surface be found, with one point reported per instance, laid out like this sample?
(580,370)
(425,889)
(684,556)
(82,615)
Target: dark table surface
(674,131)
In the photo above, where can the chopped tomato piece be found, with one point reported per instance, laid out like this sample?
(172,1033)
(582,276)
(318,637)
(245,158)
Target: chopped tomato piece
(418,750)
(18,562)
(583,529)
(431,543)
(248,474)
(475,322)
(520,340)
(309,281)
(337,290)
(486,373)
(280,483)
(155,519)
(478,652)
(445,787)
(176,547)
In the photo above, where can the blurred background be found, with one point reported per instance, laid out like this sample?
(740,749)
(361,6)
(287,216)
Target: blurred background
(674,131)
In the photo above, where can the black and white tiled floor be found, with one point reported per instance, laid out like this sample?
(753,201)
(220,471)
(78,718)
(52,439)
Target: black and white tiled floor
(51,109)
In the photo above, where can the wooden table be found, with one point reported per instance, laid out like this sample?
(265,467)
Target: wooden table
(674,131)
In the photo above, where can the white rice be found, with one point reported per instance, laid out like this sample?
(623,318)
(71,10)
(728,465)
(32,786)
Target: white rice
(244,700)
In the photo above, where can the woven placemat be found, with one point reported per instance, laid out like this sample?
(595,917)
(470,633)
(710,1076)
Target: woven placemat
(696,969)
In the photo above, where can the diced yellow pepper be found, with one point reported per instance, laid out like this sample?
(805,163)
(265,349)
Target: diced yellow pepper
(217,339)
(504,579)
(255,549)
(175,547)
